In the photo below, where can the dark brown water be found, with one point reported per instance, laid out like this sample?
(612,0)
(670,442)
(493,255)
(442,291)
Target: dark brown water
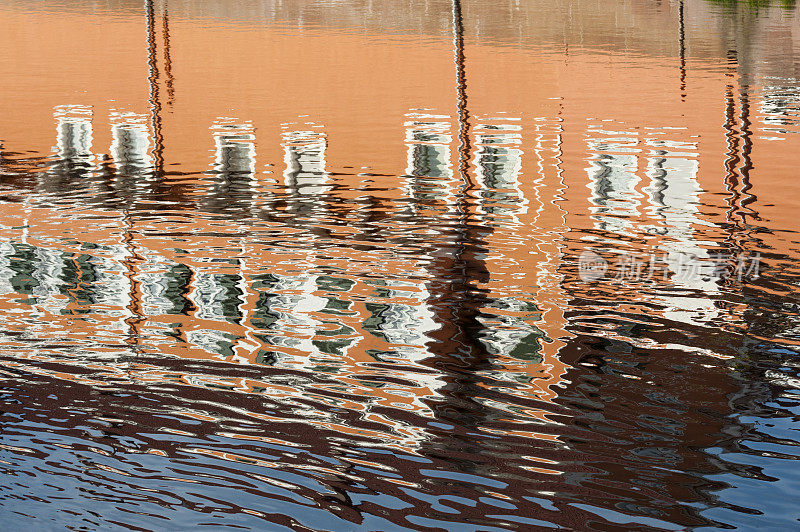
(399,265)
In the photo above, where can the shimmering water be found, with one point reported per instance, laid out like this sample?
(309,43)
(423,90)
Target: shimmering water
(399,265)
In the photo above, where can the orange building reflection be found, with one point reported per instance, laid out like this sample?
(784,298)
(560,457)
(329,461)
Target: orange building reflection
(263,195)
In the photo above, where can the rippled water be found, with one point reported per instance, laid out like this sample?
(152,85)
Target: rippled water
(382,265)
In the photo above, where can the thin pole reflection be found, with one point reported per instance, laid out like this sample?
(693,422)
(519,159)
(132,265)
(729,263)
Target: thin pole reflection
(170,81)
(153,88)
(461,91)
(131,264)
(747,150)
(682,48)
(458,262)
(732,157)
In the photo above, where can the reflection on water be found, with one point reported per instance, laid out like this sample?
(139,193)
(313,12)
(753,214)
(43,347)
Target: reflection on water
(323,265)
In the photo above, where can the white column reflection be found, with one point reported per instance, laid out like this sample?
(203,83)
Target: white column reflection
(498,165)
(613,179)
(74,134)
(674,200)
(304,156)
(429,168)
(130,142)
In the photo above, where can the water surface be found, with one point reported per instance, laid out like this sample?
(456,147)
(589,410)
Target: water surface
(399,265)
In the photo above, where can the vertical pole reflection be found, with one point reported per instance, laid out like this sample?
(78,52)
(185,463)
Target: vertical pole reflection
(732,157)
(170,81)
(747,149)
(461,93)
(153,88)
(131,263)
(682,48)
(133,258)
(738,158)
(456,263)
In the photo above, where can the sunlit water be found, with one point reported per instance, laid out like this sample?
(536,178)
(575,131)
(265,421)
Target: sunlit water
(399,265)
